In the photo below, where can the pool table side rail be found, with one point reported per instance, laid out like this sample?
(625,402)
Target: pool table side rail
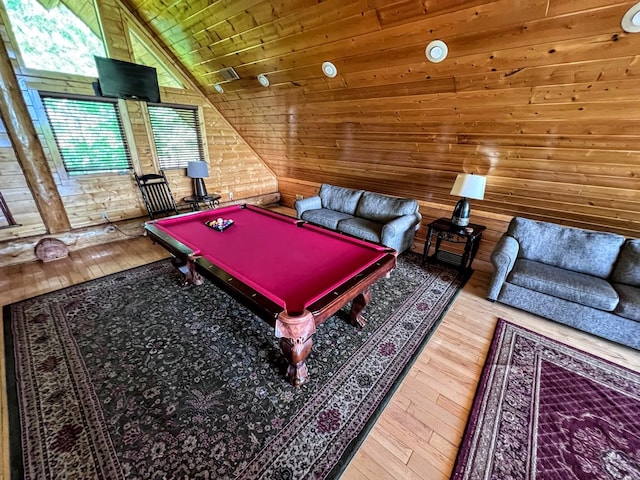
(172,245)
(267,308)
(321,309)
(258,303)
(370,244)
(328,305)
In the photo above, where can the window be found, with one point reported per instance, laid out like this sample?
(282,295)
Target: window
(176,132)
(143,55)
(57,36)
(88,134)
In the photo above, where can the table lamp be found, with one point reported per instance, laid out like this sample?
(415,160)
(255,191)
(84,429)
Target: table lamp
(466,186)
(198,170)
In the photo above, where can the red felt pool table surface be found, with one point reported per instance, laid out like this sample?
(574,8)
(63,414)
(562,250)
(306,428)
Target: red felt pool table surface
(289,261)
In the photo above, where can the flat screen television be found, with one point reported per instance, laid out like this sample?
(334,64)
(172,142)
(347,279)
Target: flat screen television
(120,79)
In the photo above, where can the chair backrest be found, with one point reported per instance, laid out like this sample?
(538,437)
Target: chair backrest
(156,194)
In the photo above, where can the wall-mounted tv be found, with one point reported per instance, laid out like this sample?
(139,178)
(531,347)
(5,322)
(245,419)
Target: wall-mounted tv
(120,79)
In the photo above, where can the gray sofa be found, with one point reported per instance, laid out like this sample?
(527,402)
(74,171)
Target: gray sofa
(379,218)
(588,280)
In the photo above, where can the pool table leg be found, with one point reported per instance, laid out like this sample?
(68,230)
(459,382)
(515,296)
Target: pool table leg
(357,305)
(296,352)
(188,269)
(296,339)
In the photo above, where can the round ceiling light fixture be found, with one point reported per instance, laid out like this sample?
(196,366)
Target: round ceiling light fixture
(264,81)
(436,51)
(218,88)
(329,69)
(631,19)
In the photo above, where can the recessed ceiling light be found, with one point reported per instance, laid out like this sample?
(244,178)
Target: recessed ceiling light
(264,81)
(218,88)
(631,19)
(329,69)
(436,51)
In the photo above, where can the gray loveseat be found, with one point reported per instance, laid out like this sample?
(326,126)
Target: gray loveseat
(588,280)
(379,218)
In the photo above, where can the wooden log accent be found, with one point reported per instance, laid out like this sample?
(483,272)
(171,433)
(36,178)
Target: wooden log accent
(22,133)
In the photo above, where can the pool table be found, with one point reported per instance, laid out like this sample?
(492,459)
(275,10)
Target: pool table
(291,273)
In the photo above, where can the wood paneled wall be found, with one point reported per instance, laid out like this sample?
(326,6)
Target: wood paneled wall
(233,166)
(542,96)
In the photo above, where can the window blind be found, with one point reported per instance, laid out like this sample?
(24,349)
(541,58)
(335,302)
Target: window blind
(88,134)
(176,132)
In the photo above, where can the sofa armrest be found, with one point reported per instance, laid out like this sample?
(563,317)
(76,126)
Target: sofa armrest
(398,226)
(503,258)
(304,204)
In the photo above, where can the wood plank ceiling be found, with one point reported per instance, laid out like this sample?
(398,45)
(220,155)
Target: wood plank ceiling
(542,96)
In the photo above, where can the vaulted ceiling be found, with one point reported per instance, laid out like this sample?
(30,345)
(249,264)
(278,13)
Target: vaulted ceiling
(542,96)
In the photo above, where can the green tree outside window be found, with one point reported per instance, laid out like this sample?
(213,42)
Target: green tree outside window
(56,39)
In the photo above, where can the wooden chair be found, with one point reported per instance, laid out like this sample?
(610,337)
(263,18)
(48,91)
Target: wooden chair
(156,194)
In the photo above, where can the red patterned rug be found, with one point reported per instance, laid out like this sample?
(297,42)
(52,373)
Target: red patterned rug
(544,410)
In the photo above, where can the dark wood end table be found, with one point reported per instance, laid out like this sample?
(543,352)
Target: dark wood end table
(212,201)
(444,229)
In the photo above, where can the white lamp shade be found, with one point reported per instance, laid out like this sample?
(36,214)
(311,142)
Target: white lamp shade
(469,186)
(197,169)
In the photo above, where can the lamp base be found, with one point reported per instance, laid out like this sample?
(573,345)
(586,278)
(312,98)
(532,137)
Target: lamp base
(461,213)
(199,188)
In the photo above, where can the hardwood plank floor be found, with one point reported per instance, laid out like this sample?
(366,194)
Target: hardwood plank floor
(418,434)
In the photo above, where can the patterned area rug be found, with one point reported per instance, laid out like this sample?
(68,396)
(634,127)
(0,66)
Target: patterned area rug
(544,410)
(132,376)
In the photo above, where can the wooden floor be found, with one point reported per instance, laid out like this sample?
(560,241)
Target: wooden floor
(418,434)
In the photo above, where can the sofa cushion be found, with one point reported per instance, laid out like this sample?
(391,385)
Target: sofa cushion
(585,251)
(627,268)
(340,199)
(629,305)
(361,228)
(573,286)
(325,217)
(383,208)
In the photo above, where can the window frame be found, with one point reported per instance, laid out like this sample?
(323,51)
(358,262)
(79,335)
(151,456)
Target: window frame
(126,160)
(177,141)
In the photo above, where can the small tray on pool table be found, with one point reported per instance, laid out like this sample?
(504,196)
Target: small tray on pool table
(219,226)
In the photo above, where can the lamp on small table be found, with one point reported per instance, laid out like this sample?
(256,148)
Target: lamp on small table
(198,170)
(466,186)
